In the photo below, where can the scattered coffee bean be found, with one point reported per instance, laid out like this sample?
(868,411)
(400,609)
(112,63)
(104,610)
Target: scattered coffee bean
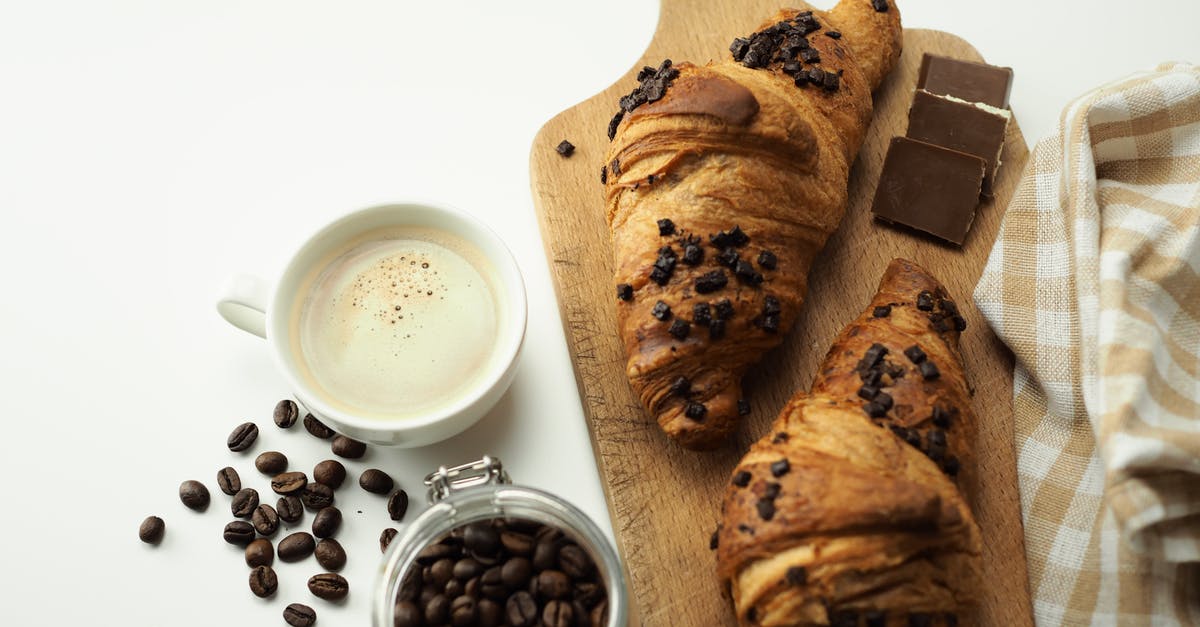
(296,546)
(242,437)
(316,496)
(194,495)
(397,505)
(228,480)
(239,532)
(289,483)
(407,614)
(244,502)
(271,463)
(317,428)
(521,610)
(375,481)
(299,615)
(290,509)
(286,413)
(326,522)
(330,554)
(263,581)
(329,586)
(151,530)
(386,538)
(260,553)
(574,561)
(348,447)
(330,472)
(265,520)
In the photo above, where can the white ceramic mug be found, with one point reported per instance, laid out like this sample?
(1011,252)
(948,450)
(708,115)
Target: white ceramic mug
(257,307)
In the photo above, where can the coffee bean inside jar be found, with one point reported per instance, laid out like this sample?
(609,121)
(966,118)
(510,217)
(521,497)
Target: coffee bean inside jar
(502,572)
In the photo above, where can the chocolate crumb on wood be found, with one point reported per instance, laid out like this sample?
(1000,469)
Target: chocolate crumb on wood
(565,148)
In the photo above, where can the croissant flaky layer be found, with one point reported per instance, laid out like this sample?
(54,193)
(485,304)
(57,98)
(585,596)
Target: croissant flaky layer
(722,184)
(849,511)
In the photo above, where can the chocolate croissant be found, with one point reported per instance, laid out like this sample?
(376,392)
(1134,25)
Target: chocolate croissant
(722,184)
(849,509)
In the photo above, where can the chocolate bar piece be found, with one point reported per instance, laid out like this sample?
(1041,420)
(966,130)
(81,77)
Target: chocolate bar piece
(975,129)
(929,188)
(966,80)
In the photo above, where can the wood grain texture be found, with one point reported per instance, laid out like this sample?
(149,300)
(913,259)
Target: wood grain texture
(664,500)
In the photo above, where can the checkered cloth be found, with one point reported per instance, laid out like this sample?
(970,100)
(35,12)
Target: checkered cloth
(1094,282)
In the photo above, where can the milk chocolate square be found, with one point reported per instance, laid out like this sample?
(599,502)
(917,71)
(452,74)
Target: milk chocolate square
(966,80)
(929,188)
(950,123)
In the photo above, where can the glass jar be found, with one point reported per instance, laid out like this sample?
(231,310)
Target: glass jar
(481,491)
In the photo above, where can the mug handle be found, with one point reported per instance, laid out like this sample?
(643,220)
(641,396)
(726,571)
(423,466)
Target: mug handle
(243,303)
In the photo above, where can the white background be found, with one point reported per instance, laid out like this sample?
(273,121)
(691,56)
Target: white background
(148,149)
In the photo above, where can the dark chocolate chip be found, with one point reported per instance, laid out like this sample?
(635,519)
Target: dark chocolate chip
(604,172)
(680,329)
(733,237)
(666,227)
(882,311)
(914,354)
(701,314)
(948,306)
(612,128)
(780,438)
(780,468)
(716,329)
(692,254)
(714,540)
(743,407)
(746,273)
(936,437)
(723,309)
(884,399)
(711,282)
(766,509)
(872,357)
(769,323)
(868,392)
(680,386)
(941,417)
(625,292)
(744,528)
(565,148)
(942,325)
(801,80)
(831,82)
(767,260)
(791,68)
(772,491)
(661,311)
(925,301)
(874,410)
(871,377)
(797,576)
(771,306)
(950,466)
(695,411)
(810,55)
(739,48)
(880,6)
(659,276)
(929,370)
(741,479)
(728,257)
(960,323)
(832,34)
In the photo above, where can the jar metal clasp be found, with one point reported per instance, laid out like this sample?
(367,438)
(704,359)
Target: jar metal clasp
(444,481)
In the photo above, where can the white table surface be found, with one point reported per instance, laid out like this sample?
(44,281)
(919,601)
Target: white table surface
(150,148)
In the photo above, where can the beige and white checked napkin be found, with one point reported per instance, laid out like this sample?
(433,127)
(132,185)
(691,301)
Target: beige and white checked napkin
(1094,282)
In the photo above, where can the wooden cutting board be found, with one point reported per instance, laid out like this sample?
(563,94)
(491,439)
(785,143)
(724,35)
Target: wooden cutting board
(664,500)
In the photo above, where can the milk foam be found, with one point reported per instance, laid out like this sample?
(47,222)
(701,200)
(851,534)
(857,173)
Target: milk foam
(397,323)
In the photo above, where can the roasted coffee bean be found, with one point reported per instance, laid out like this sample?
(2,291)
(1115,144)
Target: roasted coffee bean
(464,612)
(600,614)
(517,543)
(296,546)
(330,554)
(427,594)
(299,615)
(437,611)
(244,502)
(521,610)
(558,614)
(386,538)
(265,520)
(260,553)
(397,505)
(286,413)
(316,496)
(467,568)
(151,530)
(375,481)
(482,539)
(491,584)
(575,562)
(228,480)
(242,437)
(329,586)
(545,555)
(289,482)
(435,552)
(194,495)
(239,532)
(515,573)
(347,447)
(330,472)
(491,614)
(588,593)
(553,584)
(472,587)
(290,509)
(316,428)
(271,463)
(454,589)
(407,614)
(441,572)
(263,581)
(326,522)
